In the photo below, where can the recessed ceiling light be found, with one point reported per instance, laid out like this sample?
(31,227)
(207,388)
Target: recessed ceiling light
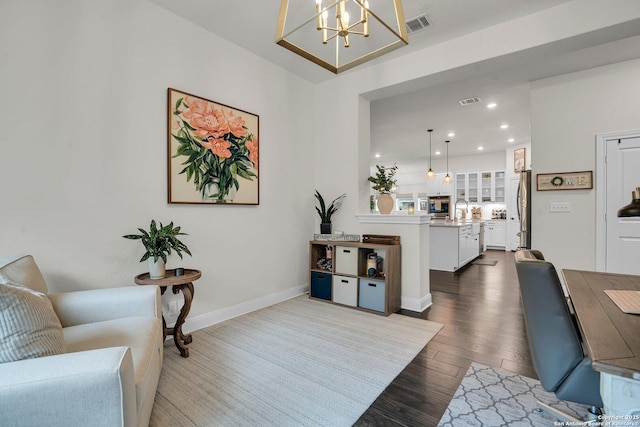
(511,139)
(451,134)
(504,126)
(377,154)
(480,148)
(492,105)
(437,153)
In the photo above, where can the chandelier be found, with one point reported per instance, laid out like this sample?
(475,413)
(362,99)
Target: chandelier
(323,34)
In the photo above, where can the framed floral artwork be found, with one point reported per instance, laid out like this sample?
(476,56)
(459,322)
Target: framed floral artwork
(519,160)
(213,152)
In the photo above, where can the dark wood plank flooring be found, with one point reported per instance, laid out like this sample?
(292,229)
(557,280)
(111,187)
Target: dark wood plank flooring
(483,322)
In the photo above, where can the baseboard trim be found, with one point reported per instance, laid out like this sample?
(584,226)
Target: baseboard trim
(208,319)
(415,304)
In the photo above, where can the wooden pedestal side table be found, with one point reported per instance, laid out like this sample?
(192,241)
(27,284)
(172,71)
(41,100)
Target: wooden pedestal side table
(184,284)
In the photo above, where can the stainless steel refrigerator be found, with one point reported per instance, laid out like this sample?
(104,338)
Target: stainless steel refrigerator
(524,209)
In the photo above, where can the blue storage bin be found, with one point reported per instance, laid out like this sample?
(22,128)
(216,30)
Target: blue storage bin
(321,285)
(372,294)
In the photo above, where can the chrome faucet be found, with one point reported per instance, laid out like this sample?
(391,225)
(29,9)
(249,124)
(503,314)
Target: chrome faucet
(455,208)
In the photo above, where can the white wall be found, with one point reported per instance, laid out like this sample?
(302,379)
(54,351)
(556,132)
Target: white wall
(83,149)
(567,113)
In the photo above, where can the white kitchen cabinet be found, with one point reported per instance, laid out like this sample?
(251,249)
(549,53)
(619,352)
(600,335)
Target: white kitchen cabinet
(499,186)
(469,248)
(493,186)
(437,187)
(452,246)
(477,187)
(495,234)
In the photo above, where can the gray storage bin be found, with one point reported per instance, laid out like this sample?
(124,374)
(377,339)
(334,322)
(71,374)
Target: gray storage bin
(372,294)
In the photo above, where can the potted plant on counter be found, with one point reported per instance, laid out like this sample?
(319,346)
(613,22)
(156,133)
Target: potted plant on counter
(158,242)
(383,182)
(326,212)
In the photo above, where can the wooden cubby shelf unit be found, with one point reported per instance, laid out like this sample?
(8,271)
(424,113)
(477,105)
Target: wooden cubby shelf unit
(343,277)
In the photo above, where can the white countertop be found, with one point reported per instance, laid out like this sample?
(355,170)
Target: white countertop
(459,223)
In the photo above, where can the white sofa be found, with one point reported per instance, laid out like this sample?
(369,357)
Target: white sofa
(108,375)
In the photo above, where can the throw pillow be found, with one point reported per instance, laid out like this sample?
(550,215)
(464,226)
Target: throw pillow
(29,326)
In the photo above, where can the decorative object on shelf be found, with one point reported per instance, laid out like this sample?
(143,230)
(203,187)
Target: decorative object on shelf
(447,177)
(633,208)
(564,181)
(159,242)
(519,160)
(326,212)
(213,146)
(375,265)
(325,264)
(430,174)
(337,237)
(380,239)
(411,210)
(298,21)
(372,264)
(385,203)
(383,182)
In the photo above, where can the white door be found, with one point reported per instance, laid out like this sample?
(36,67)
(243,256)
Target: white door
(622,234)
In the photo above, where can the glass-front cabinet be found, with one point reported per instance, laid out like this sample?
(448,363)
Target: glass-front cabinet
(478,187)
(474,187)
(487,188)
(499,186)
(461,186)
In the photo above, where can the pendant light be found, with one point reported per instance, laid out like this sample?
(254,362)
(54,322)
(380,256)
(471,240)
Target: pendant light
(447,177)
(430,174)
(633,208)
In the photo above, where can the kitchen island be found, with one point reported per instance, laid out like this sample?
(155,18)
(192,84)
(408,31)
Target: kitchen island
(452,245)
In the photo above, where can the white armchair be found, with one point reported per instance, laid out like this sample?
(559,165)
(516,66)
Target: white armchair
(109,373)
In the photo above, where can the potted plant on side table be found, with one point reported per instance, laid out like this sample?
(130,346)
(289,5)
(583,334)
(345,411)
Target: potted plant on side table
(327,212)
(158,242)
(383,182)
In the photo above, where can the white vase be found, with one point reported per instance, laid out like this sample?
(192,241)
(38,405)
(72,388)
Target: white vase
(156,269)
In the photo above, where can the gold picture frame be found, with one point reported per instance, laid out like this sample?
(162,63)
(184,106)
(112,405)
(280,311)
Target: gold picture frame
(212,152)
(564,181)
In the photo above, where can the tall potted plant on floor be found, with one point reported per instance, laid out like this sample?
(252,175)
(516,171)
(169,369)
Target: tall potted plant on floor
(326,212)
(159,241)
(383,182)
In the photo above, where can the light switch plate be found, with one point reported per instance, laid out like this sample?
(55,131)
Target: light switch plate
(560,207)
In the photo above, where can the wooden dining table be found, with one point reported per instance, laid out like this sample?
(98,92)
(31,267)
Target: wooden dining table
(611,337)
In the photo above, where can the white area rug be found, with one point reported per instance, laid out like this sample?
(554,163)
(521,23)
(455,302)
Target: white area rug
(494,397)
(298,363)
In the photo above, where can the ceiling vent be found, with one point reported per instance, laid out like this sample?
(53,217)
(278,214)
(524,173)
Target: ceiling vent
(418,23)
(469,101)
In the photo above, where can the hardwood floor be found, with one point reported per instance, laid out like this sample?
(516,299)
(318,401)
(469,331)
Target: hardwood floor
(483,322)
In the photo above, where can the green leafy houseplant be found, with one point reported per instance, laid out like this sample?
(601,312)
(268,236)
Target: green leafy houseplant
(384,180)
(326,212)
(159,241)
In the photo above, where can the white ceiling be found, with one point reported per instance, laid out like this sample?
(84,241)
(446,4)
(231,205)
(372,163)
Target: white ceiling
(400,118)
